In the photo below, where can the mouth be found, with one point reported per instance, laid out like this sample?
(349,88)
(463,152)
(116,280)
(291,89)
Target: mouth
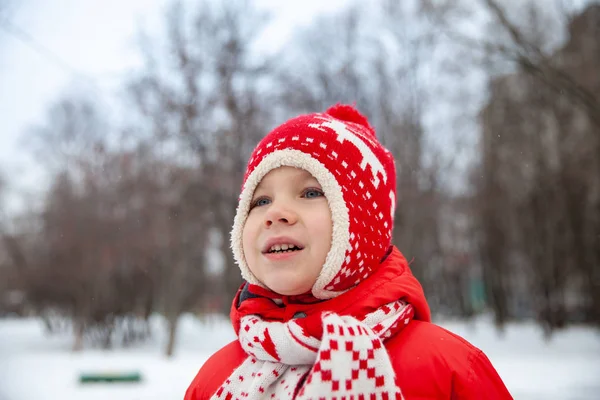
(281,246)
(284,248)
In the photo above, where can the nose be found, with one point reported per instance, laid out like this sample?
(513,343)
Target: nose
(280,212)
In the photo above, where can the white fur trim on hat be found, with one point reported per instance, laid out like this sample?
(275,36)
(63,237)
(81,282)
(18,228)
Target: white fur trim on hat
(339,215)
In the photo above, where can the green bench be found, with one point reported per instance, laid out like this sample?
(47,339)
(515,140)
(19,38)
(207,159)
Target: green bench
(110,377)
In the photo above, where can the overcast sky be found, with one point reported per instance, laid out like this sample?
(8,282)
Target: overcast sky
(47,44)
(90,38)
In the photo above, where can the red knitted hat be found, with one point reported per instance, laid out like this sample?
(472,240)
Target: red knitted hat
(358,177)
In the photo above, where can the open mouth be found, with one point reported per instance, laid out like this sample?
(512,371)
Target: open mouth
(283,248)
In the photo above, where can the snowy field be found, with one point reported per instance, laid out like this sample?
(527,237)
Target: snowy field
(34,366)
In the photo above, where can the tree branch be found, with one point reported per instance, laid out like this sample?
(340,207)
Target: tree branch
(541,66)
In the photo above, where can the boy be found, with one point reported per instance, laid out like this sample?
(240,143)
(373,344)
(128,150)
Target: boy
(330,308)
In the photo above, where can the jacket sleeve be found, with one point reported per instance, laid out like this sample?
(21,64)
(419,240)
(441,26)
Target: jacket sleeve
(203,386)
(206,382)
(215,371)
(481,381)
(194,391)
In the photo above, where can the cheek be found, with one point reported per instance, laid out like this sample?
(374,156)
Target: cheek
(250,234)
(324,228)
(327,237)
(246,238)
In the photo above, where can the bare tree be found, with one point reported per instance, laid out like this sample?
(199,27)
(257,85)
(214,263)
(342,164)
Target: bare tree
(83,248)
(211,114)
(538,202)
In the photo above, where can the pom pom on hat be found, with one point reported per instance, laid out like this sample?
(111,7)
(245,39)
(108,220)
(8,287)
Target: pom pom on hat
(348,113)
(358,177)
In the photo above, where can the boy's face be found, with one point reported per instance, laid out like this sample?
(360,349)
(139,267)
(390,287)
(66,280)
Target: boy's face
(288,211)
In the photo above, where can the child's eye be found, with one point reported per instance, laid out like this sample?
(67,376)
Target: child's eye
(311,193)
(261,201)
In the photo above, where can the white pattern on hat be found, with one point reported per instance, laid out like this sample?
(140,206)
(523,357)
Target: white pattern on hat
(368,157)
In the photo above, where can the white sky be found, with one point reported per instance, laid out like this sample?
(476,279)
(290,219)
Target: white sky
(95,39)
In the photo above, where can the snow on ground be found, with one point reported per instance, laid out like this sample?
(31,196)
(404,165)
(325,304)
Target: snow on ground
(566,368)
(40,367)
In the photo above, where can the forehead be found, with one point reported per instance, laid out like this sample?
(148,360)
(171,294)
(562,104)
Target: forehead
(290,174)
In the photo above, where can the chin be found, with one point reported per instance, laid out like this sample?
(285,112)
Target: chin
(288,291)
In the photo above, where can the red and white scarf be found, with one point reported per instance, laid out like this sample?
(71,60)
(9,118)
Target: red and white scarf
(348,361)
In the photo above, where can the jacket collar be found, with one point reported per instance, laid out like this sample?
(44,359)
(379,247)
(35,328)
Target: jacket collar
(392,280)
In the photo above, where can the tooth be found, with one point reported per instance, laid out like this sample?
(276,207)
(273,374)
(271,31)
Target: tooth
(276,247)
(284,247)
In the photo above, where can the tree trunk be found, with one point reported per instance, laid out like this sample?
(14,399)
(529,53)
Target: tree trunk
(78,329)
(173,323)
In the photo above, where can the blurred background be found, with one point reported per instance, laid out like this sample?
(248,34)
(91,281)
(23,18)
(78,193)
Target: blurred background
(127,126)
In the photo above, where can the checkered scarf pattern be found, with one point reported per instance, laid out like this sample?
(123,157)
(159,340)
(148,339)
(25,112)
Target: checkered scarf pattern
(349,361)
(340,149)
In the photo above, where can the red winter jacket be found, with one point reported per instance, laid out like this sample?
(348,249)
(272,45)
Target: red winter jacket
(430,362)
